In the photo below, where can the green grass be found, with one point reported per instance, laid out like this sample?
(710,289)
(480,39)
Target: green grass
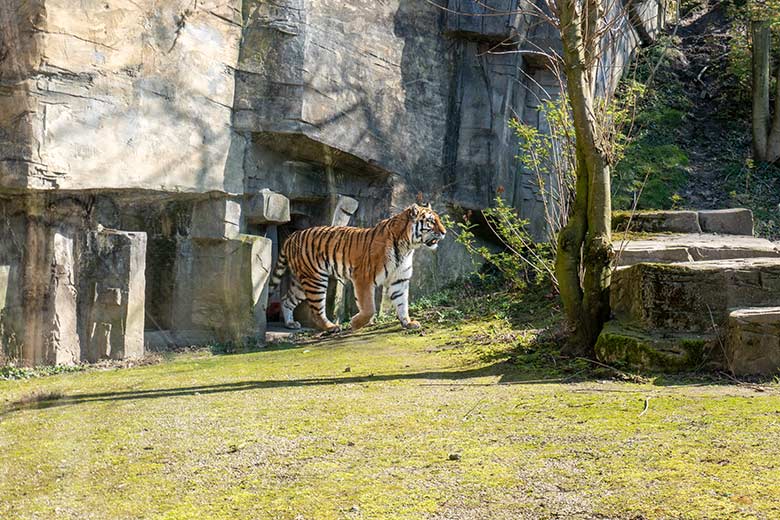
(363,426)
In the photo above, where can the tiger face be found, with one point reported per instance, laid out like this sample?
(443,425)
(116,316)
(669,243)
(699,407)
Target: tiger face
(427,228)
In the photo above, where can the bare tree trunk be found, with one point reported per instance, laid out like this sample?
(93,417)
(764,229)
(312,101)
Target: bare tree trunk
(761,41)
(585,245)
(773,142)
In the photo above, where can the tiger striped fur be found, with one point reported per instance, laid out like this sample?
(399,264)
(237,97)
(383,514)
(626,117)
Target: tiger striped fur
(368,257)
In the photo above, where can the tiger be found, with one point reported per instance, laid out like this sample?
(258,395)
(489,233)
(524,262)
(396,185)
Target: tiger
(368,257)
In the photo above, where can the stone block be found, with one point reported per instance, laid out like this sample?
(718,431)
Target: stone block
(344,211)
(736,221)
(655,351)
(116,285)
(657,221)
(218,218)
(220,290)
(753,341)
(692,296)
(479,20)
(267,207)
(693,248)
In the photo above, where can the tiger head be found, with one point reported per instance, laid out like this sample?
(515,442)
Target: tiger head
(427,228)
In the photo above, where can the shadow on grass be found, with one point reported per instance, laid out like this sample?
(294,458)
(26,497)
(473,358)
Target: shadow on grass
(507,373)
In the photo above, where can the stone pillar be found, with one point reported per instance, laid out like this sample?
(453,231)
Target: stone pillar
(266,211)
(220,289)
(62,344)
(115,286)
(343,212)
(49,293)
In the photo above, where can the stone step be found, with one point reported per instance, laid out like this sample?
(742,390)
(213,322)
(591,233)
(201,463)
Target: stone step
(692,247)
(753,341)
(692,296)
(657,350)
(736,221)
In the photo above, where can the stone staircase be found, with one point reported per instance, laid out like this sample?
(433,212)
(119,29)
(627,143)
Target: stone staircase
(695,289)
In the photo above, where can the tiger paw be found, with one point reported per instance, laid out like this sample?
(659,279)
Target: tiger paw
(333,330)
(412,325)
(293,325)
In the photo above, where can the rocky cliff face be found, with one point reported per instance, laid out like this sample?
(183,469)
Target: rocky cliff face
(167,120)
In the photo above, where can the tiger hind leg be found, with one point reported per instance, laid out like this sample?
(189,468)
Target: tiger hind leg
(294,296)
(316,290)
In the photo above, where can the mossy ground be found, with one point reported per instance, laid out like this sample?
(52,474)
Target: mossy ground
(364,425)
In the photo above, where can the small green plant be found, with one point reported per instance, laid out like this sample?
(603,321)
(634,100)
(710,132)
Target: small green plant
(550,157)
(756,186)
(11,372)
(519,258)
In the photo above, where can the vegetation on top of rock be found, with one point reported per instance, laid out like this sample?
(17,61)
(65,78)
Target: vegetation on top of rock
(690,145)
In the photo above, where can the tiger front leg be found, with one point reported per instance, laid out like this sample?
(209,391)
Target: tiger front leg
(364,296)
(399,295)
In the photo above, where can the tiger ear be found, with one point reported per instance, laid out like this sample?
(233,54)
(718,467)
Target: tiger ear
(414,209)
(429,206)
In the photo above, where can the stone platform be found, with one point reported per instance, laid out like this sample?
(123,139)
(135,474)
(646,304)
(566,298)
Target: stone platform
(693,247)
(683,299)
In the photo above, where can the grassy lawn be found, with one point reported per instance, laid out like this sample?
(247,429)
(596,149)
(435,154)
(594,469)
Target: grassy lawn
(461,422)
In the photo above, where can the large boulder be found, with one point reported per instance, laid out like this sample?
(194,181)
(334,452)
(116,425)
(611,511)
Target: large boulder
(753,341)
(692,296)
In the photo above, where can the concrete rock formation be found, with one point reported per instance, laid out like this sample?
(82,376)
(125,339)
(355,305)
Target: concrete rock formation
(200,125)
(685,301)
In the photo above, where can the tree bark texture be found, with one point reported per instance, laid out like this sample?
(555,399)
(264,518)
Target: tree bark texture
(583,265)
(766,136)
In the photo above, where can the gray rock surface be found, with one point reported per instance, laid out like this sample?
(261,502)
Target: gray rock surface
(124,94)
(666,248)
(736,221)
(753,341)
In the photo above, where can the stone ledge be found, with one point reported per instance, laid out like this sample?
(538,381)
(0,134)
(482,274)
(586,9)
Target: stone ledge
(659,350)
(694,248)
(734,221)
(692,296)
(657,221)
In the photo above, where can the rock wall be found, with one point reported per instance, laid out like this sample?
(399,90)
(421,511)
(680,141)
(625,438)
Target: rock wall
(120,94)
